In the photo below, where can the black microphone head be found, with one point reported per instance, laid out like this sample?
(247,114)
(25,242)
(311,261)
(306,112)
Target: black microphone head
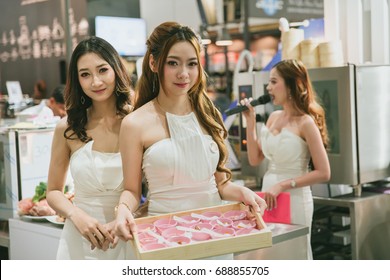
(264,99)
(259,101)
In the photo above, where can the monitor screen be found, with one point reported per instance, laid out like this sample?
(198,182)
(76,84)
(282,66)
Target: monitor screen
(14,90)
(126,35)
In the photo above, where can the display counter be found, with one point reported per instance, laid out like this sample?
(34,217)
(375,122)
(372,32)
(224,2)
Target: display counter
(38,240)
(289,242)
(33,240)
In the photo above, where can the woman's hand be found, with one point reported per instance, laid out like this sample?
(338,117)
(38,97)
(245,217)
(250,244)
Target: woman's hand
(250,114)
(125,225)
(96,233)
(271,196)
(251,198)
(110,228)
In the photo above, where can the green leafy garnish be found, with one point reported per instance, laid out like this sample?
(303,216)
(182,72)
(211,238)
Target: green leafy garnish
(40,192)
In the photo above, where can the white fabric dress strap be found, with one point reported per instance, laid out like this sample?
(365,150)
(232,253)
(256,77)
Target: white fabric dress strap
(193,163)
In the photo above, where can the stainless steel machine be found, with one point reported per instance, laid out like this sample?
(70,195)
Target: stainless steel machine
(356,100)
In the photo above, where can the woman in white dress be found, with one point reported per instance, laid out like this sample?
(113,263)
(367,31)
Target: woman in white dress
(294,141)
(175,136)
(97,97)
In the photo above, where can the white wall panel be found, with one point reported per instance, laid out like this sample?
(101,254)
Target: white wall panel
(354,43)
(362,26)
(380,31)
(183,11)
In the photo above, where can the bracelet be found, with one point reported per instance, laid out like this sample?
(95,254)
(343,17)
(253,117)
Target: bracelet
(117,206)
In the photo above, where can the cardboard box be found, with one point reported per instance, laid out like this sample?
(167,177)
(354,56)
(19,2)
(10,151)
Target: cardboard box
(208,248)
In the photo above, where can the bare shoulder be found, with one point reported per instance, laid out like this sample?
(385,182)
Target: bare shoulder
(59,141)
(61,126)
(306,121)
(307,125)
(139,118)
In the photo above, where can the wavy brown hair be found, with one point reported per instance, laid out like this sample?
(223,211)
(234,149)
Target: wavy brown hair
(158,44)
(296,78)
(76,110)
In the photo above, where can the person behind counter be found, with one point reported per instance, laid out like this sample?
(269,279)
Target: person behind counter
(292,139)
(39,93)
(175,135)
(54,106)
(97,97)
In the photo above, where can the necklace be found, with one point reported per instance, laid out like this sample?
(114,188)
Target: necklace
(159,105)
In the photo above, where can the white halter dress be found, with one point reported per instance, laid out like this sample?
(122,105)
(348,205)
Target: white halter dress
(98,183)
(180,170)
(289,157)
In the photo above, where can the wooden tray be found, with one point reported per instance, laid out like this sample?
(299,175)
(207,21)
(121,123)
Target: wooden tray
(209,248)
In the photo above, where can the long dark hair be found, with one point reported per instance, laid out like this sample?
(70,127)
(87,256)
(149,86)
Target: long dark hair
(75,108)
(296,78)
(158,44)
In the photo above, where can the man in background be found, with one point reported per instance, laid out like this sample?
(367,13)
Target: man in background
(54,106)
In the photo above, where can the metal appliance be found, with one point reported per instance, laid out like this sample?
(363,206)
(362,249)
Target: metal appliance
(356,100)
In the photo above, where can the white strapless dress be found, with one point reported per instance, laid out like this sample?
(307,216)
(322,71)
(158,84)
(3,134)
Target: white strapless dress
(289,157)
(98,183)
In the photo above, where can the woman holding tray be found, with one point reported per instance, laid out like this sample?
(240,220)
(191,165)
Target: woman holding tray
(175,136)
(293,140)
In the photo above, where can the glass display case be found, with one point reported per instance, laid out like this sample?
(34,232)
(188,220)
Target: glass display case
(24,163)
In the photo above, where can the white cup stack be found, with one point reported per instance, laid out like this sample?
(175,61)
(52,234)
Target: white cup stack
(309,53)
(331,54)
(290,43)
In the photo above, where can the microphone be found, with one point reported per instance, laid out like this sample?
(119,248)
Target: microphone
(264,99)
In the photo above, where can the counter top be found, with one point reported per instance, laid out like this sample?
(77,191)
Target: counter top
(289,242)
(280,233)
(36,225)
(284,232)
(347,199)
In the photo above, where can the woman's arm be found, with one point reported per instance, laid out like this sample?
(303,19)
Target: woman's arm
(319,156)
(233,192)
(58,168)
(131,149)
